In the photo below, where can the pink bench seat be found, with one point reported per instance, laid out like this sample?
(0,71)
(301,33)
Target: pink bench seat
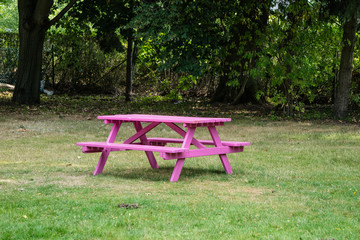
(89,147)
(164,141)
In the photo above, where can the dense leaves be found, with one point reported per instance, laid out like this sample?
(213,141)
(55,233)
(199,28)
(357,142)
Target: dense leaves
(298,63)
(282,52)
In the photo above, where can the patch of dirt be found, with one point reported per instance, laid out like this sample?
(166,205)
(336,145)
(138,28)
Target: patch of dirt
(65,180)
(7,181)
(128,205)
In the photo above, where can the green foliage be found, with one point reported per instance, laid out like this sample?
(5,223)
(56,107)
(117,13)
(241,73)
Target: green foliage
(184,84)
(91,70)
(180,33)
(89,46)
(204,37)
(356,99)
(9,47)
(9,20)
(298,62)
(108,19)
(344,9)
(290,52)
(355,88)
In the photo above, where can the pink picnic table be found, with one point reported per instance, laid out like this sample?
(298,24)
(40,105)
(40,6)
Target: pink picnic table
(140,142)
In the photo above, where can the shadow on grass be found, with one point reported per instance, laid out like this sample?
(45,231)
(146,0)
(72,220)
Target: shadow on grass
(164,173)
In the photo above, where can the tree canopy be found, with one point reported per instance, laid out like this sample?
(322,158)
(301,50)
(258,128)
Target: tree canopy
(283,52)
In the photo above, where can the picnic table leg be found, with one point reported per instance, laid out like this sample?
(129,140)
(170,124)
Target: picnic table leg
(180,162)
(177,170)
(224,159)
(103,158)
(105,152)
(143,139)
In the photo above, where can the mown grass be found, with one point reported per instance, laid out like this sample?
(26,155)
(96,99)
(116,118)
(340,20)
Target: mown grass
(298,180)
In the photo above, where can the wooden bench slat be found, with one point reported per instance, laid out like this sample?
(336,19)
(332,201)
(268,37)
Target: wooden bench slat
(163,141)
(202,152)
(140,147)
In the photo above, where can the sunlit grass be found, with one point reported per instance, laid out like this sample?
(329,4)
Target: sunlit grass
(296,180)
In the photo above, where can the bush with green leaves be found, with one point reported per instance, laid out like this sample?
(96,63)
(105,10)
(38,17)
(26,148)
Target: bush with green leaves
(9,47)
(81,65)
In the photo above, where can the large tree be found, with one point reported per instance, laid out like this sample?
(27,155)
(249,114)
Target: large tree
(33,25)
(348,13)
(342,91)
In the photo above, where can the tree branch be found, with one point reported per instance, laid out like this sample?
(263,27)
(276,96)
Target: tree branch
(62,13)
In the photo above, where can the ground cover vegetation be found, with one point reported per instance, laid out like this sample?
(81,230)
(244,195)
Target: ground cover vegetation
(290,54)
(298,179)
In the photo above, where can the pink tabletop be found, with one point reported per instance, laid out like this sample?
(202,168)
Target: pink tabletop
(164,119)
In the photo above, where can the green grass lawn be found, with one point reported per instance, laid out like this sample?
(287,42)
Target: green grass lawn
(298,180)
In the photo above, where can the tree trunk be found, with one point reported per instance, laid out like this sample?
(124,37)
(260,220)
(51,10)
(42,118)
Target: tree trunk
(129,69)
(241,92)
(27,90)
(222,89)
(33,23)
(130,58)
(342,92)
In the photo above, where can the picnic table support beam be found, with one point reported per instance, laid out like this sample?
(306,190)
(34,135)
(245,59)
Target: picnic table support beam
(180,162)
(105,152)
(182,133)
(224,159)
(143,140)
